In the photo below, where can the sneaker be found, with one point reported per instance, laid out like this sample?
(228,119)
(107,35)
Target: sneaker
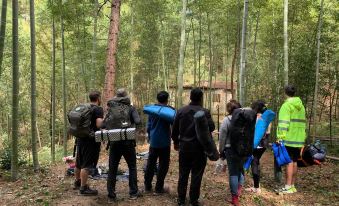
(181,202)
(163,191)
(112,198)
(86,191)
(294,189)
(196,203)
(286,191)
(135,196)
(239,190)
(76,184)
(253,190)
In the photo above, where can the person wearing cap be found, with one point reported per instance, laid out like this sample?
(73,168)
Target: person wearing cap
(192,158)
(125,148)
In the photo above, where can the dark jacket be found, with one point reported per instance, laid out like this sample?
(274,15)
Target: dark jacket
(184,127)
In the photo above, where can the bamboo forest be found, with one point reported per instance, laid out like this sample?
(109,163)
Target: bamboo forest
(152,66)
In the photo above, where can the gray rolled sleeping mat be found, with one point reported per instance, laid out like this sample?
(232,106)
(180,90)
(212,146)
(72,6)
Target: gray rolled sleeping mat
(204,136)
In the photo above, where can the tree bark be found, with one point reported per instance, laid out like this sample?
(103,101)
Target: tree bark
(33,90)
(194,55)
(199,48)
(180,77)
(132,56)
(111,51)
(210,64)
(286,42)
(64,93)
(242,72)
(53,93)
(315,104)
(94,44)
(15,92)
(3,31)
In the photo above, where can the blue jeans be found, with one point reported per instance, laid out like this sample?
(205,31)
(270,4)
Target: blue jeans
(235,170)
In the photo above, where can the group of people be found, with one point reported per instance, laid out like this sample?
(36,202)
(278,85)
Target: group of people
(192,158)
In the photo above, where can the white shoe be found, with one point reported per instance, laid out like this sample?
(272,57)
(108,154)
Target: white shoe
(253,190)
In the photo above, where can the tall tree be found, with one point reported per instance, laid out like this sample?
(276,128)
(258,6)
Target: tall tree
(53,92)
(132,55)
(112,50)
(33,90)
(286,42)
(15,94)
(94,44)
(180,77)
(64,93)
(315,101)
(210,64)
(3,31)
(242,74)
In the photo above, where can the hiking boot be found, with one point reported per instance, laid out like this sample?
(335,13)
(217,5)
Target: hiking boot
(286,190)
(239,190)
(135,196)
(76,184)
(112,198)
(181,202)
(235,200)
(161,192)
(196,203)
(86,191)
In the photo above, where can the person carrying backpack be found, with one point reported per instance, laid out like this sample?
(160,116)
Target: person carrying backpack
(84,120)
(192,158)
(291,130)
(159,133)
(260,107)
(235,171)
(121,114)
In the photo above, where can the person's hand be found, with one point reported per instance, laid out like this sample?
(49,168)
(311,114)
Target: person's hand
(176,147)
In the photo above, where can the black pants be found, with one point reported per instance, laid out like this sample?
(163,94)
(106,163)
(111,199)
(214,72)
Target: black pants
(164,159)
(257,153)
(194,163)
(117,150)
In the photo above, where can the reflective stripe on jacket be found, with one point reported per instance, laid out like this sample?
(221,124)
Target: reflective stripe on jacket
(292,123)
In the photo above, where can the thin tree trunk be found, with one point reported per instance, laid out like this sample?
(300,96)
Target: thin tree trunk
(242,74)
(163,57)
(94,44)
(233,65)
(132,56)
(194,54)
(64,93)
(255,37)
(15,94)
(3,31)
(112,50)
(53,93)
(210,64)
(286,42)
(199,49)
(180,77)
(33,90)
(315,104)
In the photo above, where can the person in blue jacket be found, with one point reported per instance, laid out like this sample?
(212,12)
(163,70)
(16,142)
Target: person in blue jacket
(159,133)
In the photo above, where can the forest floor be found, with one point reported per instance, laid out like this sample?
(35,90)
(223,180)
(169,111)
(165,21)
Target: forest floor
(317,185)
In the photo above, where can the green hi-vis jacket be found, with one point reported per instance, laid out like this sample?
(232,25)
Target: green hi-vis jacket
(292,123)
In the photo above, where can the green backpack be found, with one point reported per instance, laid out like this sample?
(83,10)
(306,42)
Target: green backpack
(80,121)
(118,115)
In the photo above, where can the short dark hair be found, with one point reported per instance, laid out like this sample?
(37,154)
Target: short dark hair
(162,96)
(290,90)
(196,95)
(259,106)
(232,105)
(94,96)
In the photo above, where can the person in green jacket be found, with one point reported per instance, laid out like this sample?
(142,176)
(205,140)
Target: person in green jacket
(291,129)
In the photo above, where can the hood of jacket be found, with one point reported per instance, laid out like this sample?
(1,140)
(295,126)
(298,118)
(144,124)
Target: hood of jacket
(124,100)
(295,102)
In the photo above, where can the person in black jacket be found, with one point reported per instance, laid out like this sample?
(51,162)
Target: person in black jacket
(192,158)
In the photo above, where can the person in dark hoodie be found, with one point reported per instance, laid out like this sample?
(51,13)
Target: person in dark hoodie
(159,133)
(192,158)
(121,105)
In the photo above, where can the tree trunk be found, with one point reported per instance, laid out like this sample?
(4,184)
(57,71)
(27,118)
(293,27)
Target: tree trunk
(3,31)
(180,77)
(242,72)
(64,94)
(199,48)
(315,104)
(94,44)
(210,64)
(15,94)
(33,90)
(53,93)
(112,50)
(255,38)
(194,55)
(163,57)
(285,42)
(132,56)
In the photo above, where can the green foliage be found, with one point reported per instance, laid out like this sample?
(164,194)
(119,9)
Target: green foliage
(45,154)
(6,154)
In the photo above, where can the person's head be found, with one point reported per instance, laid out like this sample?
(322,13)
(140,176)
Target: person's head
(121,92)
(259,106)
(95,97)
(290,90)
(162,97)
(232,105)
(196,96)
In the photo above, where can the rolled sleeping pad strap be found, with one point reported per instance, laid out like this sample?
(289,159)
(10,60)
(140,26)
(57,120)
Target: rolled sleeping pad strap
(204,136)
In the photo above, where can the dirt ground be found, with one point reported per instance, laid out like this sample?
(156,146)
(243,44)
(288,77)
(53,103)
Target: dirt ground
(317,185)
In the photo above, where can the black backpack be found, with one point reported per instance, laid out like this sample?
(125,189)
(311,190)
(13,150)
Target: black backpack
(80,121)
(242,131)
(118,115)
